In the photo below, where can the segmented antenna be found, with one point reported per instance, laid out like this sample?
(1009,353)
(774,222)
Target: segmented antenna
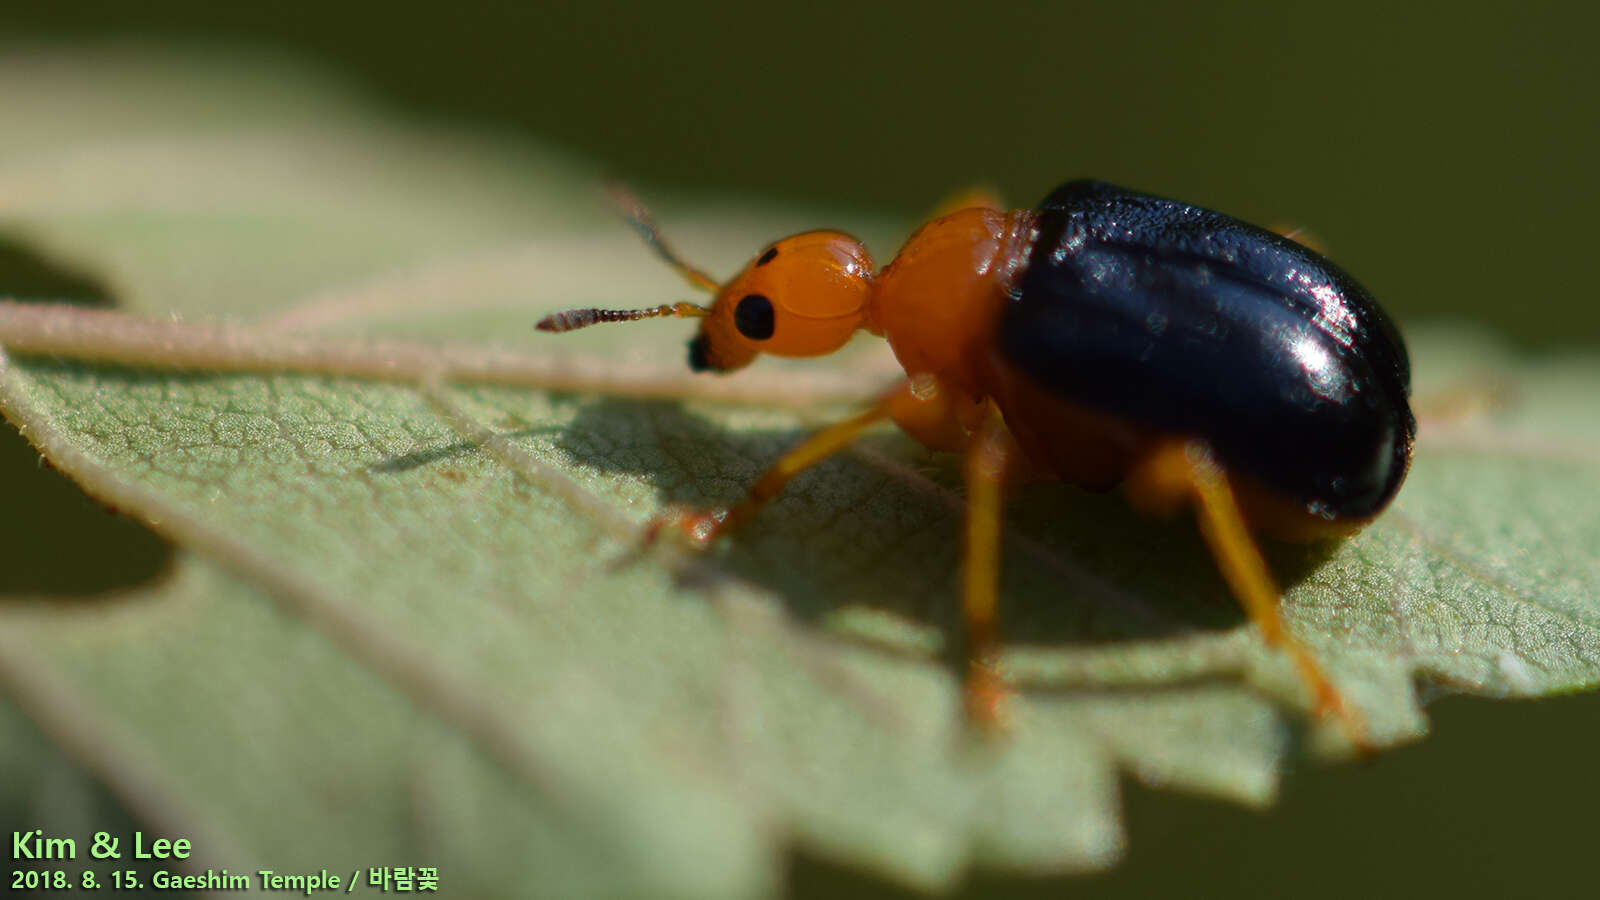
(570,319)
(639,218)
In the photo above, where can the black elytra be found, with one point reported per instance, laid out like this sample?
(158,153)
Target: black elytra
(754,317)
(1189,322)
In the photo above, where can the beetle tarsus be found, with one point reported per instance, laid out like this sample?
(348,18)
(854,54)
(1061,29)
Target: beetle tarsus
(697,529)
(986,697)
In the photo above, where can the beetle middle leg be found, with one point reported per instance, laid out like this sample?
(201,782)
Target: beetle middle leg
(1188,473)
(991,456)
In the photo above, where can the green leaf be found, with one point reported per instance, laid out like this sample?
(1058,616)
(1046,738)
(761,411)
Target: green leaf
(406,623)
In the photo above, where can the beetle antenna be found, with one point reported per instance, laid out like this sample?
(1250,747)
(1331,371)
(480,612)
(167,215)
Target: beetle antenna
(634,211)
(583,318)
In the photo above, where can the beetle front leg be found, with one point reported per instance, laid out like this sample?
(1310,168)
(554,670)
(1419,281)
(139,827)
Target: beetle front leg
(701,527)
(919,405)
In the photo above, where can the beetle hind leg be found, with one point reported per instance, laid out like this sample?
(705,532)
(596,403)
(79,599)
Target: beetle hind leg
(1189,472)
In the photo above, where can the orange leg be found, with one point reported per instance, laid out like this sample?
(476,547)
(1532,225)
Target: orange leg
(702,528)
(933,416)
(921,409)
(1189,472)
(990,454)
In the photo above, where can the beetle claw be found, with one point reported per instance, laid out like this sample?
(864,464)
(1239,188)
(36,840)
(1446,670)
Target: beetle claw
(697,529)
(1332,707)
(986,697)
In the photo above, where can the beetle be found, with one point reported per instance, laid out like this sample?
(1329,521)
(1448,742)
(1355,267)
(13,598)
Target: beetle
(1107,337)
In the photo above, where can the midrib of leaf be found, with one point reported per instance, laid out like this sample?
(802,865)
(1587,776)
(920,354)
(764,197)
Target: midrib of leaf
(104,336)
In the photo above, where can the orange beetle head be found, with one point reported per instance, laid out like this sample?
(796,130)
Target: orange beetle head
(804,296)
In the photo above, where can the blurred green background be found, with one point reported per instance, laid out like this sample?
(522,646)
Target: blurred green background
(1446,158)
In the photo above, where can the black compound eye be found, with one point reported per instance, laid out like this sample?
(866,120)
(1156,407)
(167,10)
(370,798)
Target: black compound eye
(753,317)
(697,354)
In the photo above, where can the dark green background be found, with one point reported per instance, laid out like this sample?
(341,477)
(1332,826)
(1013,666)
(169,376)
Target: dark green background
(1447,160)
